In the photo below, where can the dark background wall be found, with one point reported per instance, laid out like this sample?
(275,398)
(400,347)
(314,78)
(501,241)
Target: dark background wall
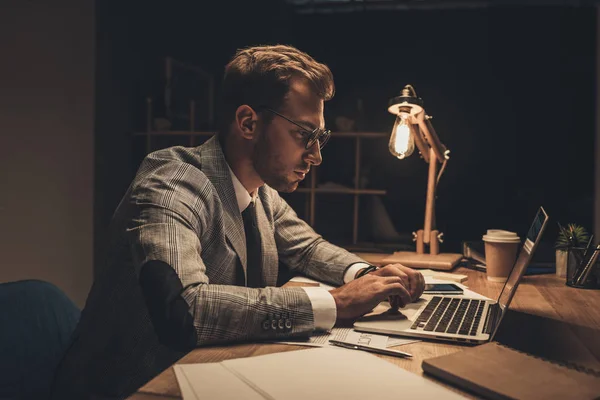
(511,90)
(46,143)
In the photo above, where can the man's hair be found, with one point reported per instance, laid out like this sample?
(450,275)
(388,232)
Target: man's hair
(260,76)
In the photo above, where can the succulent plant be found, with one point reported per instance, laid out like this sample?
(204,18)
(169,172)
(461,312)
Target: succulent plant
(571,236)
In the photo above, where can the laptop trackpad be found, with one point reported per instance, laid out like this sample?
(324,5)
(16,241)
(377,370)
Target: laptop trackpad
(383,318)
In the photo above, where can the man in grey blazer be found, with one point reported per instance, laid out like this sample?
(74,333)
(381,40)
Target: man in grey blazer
(200,235)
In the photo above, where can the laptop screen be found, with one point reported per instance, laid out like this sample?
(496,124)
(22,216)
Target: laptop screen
(531,241)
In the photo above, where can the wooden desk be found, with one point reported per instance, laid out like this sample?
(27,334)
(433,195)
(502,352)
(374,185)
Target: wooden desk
(566,318)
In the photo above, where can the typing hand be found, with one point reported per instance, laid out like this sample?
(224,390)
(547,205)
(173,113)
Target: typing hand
(413,281)
(361,295)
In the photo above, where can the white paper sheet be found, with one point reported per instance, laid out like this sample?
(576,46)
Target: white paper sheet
(212,381)
(309,374)
(351,336)
(184,385)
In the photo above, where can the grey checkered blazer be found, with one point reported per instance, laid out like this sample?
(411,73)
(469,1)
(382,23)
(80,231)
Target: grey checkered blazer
(181,209)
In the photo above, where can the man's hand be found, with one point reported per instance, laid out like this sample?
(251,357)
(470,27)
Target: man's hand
(413,280)
(361,295)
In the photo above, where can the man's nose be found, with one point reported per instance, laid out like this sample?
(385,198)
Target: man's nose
(313,155)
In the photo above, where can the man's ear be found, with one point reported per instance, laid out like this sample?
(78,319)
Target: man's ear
(246,121)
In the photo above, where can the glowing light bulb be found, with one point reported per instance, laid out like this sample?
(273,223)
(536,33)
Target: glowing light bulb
(402,143)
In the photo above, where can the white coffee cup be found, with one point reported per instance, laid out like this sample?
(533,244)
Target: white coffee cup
(500,253)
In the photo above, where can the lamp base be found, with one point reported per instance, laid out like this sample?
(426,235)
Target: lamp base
(441,262)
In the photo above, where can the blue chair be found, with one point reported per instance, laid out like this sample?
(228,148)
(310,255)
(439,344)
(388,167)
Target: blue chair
(36,323)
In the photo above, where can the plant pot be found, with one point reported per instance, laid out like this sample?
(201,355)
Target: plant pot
(562,257)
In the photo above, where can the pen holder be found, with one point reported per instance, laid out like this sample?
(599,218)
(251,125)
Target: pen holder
(575,263)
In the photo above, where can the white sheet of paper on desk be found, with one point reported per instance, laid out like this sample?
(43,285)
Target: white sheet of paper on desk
(184,385)
(211,381)
(398,341)
(309,374)
(351,336)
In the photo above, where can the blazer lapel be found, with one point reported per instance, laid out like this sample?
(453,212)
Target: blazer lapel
(270,263)
(216,169)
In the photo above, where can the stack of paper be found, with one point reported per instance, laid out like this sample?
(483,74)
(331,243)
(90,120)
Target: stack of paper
(315,374)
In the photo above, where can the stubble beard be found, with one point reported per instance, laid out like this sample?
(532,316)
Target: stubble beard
(270,170)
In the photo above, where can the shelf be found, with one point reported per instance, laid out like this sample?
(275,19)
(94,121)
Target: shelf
(342,191)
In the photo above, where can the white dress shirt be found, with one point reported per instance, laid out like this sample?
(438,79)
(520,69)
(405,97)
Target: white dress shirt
(323,304)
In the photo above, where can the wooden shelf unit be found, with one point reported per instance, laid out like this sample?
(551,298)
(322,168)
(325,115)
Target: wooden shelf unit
(356,192)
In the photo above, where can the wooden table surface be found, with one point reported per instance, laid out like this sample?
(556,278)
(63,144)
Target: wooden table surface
(544,314)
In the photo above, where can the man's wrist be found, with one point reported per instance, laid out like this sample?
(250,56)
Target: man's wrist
(353,269)
(364,271)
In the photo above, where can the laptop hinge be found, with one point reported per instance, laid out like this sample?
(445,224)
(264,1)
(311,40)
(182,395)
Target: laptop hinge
(491,318)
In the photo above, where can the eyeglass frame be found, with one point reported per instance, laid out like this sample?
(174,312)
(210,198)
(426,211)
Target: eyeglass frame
(313,136)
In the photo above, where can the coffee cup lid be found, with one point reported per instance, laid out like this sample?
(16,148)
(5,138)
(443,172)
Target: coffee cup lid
(501,236)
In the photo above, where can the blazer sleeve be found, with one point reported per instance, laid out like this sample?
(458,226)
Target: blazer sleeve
(302,250)
(174,206)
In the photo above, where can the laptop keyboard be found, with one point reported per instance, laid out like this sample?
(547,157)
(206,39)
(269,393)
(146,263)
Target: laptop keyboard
(451,315)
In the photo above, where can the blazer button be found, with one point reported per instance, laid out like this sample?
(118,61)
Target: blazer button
(265,325)
(274,324)
(288,323)
(280,324)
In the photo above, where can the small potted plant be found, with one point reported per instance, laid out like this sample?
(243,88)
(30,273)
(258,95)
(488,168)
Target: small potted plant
(570,237)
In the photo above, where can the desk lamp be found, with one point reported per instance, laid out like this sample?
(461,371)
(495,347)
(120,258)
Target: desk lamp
(413,126)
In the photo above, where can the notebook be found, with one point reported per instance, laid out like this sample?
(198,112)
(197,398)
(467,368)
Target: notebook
(499,372)
(323,373)
(457,318)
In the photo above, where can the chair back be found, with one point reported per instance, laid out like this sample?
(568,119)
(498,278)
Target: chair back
(36,323)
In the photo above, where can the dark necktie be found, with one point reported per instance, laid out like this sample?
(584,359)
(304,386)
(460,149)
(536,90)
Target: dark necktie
(253,250)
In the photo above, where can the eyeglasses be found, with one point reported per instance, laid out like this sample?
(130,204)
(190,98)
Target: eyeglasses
(312,137)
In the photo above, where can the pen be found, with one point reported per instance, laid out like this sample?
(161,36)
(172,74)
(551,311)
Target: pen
(588,247)
(581,263)
(588,268)
(353,346)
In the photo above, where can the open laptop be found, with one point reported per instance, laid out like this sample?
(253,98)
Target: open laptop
(457,318)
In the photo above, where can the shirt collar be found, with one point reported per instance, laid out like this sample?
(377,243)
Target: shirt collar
(243,197)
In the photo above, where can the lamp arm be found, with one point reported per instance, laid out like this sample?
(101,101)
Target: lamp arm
(432,138)
(430,200)
(441,171)
(419,141)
